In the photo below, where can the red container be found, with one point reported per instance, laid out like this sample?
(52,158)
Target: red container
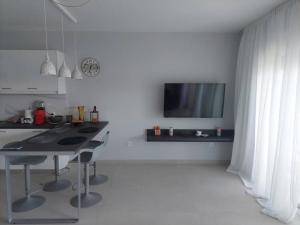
(39,116)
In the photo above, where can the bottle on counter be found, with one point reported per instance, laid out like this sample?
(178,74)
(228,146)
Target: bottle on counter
(94,115)
(81,113)
(75,114)
(40,114)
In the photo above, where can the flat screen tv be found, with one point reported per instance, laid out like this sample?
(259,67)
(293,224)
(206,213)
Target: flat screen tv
(202,100)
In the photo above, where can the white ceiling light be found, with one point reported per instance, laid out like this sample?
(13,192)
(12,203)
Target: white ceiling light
(64,70)
(76,74)
(47,67)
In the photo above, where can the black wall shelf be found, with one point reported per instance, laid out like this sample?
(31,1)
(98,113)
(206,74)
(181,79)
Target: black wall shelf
(188,135)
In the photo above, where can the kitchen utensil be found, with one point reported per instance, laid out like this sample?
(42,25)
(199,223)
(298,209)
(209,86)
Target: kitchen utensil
(68,118)
(54,119)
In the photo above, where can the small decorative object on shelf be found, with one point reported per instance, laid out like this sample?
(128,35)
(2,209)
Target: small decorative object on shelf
(94,115)
(219,131)
(171,131)
(198,133)
(157,131)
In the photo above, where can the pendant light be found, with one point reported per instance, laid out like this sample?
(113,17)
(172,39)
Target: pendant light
(64,70)
(47,67)
(76,74)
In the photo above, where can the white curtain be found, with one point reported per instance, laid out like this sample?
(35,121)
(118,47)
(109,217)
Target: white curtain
(266,151)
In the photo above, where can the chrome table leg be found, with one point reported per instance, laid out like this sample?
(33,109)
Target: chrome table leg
(8,190)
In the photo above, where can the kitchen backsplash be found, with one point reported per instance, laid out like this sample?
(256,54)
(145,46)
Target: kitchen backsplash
(15,104)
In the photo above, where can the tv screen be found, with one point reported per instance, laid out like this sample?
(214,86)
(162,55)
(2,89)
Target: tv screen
(204,100)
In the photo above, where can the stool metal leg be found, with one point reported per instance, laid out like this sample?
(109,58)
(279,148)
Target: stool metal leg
(97,179)
(88,198)
(8,191)
(29,202)
(57,184)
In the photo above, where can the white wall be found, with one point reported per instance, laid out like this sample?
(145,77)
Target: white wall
(129,91)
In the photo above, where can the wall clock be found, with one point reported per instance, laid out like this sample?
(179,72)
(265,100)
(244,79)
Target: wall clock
(90,67)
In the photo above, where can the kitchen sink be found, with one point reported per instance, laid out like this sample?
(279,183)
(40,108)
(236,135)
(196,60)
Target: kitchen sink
(43,139)
(72,140)
(88,130)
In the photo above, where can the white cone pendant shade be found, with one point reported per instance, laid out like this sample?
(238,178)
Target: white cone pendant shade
(76,74)
(64,70)
(47,67)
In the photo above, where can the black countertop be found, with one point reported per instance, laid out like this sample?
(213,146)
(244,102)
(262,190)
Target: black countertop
(9,125)
(48,141)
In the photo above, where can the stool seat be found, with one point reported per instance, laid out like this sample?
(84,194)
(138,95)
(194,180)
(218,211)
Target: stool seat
(23,160)
(86,157)
(26,160)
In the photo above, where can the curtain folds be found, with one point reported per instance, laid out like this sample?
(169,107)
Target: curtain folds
(266,151)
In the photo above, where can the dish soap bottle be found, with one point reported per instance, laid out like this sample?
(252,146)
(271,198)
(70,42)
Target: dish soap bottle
(94,115)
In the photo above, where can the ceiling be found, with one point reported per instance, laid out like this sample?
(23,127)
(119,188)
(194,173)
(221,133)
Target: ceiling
(139,15)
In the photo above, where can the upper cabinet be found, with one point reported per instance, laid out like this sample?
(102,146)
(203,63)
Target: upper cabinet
(20,73)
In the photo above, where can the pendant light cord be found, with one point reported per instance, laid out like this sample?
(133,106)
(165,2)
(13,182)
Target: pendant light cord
(62,34)
(45,27)
(75,46)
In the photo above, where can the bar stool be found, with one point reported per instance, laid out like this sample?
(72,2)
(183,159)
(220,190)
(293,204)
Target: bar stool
(30,201)
(90,154)
(99,179)
(56,185)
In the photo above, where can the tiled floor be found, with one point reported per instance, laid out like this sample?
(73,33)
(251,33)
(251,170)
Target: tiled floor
(155,194)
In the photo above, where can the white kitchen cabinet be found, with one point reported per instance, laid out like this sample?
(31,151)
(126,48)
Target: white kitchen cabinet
(12,135)
(20,73)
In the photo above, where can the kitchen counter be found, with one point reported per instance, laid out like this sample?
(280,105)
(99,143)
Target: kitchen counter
(9,125)
(70,140)
(49,141)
